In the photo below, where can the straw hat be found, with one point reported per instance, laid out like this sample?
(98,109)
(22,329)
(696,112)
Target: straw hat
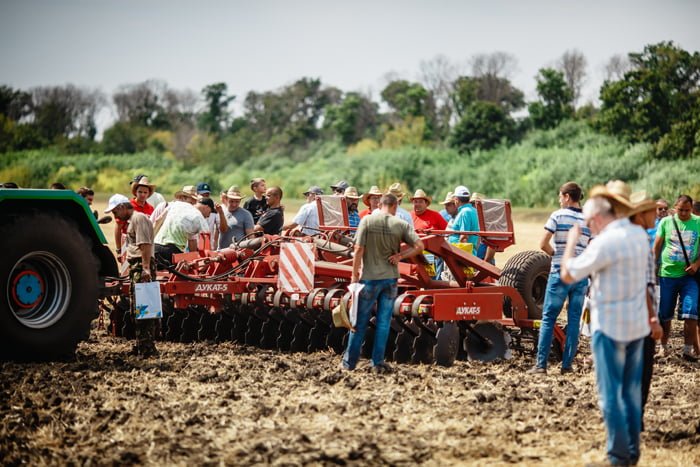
(340,316)
(374,191)
(396,190)
(143,181)
(351,192)
(449,198)
(188,191)
(618,193)
(420,194)
(641,202)
(233,193)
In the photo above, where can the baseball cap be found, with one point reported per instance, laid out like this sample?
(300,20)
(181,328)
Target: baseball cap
(207,202)
(203,188)
(313,189)
(116,200)
(341,185)
(462,191)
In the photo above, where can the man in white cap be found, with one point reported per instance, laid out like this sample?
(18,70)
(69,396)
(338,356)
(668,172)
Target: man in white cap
(239,221)
(307,216)
(466,219)
(139,254)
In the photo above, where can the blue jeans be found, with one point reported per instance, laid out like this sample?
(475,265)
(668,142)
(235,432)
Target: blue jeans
(673,287)
(618,371)
(382,292)
(557,292)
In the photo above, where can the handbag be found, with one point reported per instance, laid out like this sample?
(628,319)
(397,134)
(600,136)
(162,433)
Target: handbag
(147,302)
(685,253)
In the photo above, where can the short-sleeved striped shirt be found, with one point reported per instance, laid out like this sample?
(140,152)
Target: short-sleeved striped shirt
(559,224)
(621,265)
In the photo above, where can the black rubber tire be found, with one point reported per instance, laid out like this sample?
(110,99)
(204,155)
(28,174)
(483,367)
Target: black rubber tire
(527,272)
(55,246)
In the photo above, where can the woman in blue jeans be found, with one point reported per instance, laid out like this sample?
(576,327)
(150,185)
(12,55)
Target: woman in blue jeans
(557,228)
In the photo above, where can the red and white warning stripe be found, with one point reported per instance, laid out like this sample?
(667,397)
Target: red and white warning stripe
(296,271)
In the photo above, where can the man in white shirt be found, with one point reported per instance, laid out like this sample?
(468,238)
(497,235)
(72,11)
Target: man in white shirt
(307,217)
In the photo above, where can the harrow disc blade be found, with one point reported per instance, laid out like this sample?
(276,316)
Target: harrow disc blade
(404,346)
(253,333)
(270,331)
(240,325)
(190,325)
(168,311)
(423,347)
(175,326)
(394,329)
(223,327)
(286,335)
(207,323)
(318,336)
(495,348)
(447,343)
(301,335)
(116,316)
(335,339)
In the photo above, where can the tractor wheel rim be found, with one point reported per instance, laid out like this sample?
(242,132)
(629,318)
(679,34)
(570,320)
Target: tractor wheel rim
(38,289)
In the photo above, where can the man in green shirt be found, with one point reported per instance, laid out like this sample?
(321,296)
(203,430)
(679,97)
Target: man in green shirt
(378,252)
(676,247)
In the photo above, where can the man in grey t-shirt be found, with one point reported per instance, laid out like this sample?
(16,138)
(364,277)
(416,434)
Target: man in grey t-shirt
(378,252)
(239,221)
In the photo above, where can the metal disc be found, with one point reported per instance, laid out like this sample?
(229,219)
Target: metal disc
(446,344)
(207,322)
(175,326)
(240,324)
(190,325)
(223,327)
(477,349)
(284,339)
(368,344)
(335,339)
(271,330)
(318,336)
(423,347)
(253,332)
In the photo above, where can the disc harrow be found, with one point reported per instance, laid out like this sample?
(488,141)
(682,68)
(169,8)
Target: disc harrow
(256,293)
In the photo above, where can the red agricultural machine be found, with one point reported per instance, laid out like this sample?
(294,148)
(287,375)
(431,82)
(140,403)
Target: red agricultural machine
(277,292)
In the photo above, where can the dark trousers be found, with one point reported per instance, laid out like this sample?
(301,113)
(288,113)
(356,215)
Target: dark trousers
(164,255)
(647,370)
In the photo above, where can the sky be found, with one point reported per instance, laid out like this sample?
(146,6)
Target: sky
(265,44)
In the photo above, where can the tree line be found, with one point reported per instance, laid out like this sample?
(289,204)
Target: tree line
(651,96)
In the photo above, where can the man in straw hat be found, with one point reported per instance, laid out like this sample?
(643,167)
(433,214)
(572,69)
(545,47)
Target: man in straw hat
(307,216)
(139,254)
(557,292)
(676,248)
(141,189)
(621,269)
(449,210)
(643,214)
(396,190)
(371,200)
(238,221)
(424,218)
(187,194)
(351,199)
(377,254)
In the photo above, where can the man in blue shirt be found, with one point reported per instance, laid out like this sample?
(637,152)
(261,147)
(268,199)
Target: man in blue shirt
(466,219)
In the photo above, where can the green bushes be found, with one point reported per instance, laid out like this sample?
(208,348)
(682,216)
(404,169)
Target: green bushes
(529,173)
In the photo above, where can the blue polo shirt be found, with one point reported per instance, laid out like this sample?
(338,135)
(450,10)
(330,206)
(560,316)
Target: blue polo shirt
(466,220)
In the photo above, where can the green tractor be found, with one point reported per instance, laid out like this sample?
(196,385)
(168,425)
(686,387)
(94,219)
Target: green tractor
(53,265)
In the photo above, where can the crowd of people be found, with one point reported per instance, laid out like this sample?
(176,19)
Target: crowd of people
(635,259)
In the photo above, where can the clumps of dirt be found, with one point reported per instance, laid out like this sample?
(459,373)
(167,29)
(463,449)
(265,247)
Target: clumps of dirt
(213,404)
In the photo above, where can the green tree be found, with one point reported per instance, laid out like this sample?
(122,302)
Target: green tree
(484,125)
(217,116)
(353,119)
(555,100)
(656,100)
(124,138)
(467,90)
(410,100)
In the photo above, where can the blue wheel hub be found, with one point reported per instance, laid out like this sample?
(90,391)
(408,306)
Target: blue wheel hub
(28,289)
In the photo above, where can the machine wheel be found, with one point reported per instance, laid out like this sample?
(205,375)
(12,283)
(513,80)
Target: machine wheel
(50,288)
(447,344)
(527,272)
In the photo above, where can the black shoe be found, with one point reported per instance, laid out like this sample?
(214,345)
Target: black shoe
(690,356)
(536,370)
(382,368)
(565,371)
(149,351)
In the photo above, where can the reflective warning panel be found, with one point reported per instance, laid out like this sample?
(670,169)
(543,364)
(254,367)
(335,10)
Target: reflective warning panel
(296,270)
